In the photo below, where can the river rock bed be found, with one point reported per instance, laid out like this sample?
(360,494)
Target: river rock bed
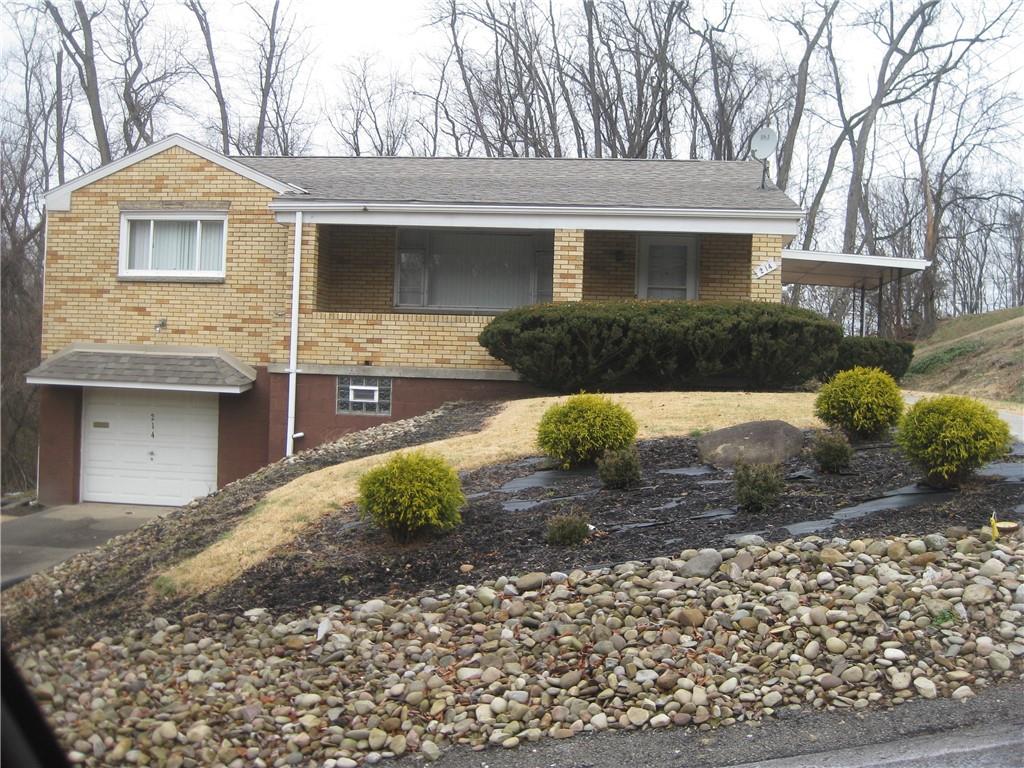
(704,638)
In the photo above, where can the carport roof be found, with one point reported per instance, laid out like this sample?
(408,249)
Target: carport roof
(845,270)
(189,369)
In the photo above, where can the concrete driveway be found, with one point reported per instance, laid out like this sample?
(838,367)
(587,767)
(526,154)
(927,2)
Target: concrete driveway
(39,540)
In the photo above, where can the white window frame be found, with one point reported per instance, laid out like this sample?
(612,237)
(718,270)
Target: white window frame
(425,287)
(345,384)
(197,216)
(692,262)
(373,389)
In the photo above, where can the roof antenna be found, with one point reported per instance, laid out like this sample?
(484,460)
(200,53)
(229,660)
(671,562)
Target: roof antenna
(762,146)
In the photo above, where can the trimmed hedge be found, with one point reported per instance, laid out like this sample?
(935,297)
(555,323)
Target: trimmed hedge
(891,356)
(620,345)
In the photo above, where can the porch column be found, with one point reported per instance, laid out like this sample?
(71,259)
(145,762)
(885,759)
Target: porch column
(764,251)
(568,265)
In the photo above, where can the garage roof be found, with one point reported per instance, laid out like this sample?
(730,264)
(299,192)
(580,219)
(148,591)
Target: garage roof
(845,270)
(189,369)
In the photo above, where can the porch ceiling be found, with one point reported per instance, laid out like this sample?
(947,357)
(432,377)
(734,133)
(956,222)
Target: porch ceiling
(844,270)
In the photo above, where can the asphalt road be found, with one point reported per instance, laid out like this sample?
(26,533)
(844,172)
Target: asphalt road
(39,540)
(985,732)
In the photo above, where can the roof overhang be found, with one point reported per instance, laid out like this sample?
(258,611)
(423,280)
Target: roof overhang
(844,270)
(490,216)
(59,198)
(134,366)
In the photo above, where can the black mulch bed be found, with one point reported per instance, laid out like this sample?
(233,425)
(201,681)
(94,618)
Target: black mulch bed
(679,505)
(105,584)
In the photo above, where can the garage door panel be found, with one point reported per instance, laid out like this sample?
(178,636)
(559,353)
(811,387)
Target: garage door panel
(148,447)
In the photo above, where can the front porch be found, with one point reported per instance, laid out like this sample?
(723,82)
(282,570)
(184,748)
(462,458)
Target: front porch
(418,297)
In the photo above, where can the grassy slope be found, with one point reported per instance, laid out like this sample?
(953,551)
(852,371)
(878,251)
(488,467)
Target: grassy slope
(510,434)
(980,355)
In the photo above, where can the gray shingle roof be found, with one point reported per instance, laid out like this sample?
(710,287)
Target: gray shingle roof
(87,366)
(688,184)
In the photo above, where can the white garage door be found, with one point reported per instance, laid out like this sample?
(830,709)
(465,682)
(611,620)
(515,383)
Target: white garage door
(148,447)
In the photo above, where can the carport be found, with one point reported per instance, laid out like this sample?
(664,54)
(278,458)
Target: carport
(857,272)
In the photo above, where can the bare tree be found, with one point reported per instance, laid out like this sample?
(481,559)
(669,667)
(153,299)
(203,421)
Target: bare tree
(212,77)
(149,66)
(78,41)
(811,36)
(374,114)
(278,92)
(30,128)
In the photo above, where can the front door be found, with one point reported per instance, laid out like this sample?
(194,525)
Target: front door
(144,446)
(667,267)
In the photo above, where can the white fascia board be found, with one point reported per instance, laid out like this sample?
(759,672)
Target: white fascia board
(885,262)
(786,223)
(234,390)
(59,198)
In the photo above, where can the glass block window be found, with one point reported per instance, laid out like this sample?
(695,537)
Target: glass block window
(370,395)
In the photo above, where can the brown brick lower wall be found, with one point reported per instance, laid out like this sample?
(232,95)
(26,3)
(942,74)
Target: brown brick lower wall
(316,404)
(60,434)
(243,429)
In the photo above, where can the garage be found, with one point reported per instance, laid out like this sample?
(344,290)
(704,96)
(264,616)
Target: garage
(148,447)
(148,417)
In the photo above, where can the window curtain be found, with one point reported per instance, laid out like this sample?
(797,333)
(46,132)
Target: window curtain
(484,271)
(666,272)
(174,245)
(138,244)
(211,246)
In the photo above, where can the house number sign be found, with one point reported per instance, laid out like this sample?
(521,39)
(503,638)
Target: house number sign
(763,269)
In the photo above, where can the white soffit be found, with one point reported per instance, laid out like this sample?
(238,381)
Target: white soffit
(844,270)
(785,223)
(59,198)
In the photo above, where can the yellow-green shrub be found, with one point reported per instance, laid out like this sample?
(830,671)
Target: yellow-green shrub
(863,402)
(950,436)
(413,491)
(581,429)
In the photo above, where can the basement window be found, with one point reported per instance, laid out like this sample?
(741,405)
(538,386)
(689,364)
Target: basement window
(367,395)
(178,245)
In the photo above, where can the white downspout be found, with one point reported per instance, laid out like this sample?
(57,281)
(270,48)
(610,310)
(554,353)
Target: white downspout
(293,343)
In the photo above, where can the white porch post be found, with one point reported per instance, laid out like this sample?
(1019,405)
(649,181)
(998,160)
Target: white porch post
(293,341)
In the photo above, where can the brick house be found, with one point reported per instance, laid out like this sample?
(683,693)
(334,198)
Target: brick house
(205,315)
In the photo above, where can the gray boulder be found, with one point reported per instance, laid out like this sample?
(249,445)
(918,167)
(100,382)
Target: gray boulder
(755,442)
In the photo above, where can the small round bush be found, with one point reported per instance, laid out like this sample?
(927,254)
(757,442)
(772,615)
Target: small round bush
(412,492)
(581,429)
(568,529)
(758,487)
(619,469)
(863,402)
(832,452)
(950,436)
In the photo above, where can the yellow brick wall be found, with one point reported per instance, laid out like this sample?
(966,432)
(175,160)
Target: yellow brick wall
(609,265)
(766,248)
(84,300)
(568,265)
(357,269)
(724,267)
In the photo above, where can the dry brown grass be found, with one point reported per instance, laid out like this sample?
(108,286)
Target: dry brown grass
(510,434)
